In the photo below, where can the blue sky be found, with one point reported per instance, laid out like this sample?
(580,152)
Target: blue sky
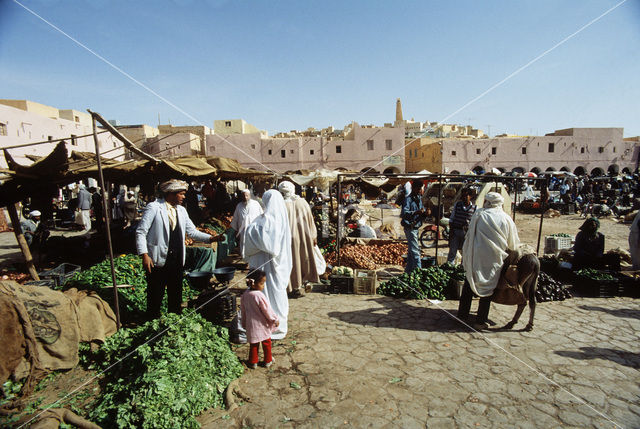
(284,65)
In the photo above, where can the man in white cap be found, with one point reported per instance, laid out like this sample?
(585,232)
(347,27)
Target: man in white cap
(160,241)
(30,226)
(491,232)
(304,237)
(246,212)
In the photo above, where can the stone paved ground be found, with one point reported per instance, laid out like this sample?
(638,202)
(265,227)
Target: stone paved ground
(369,361)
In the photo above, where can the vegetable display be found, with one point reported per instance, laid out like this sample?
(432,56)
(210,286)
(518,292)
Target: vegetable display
(593,274)
(421,283)
(550,289)
(129,271)
(369,256)
(166,382)
(561,234)
(342,271)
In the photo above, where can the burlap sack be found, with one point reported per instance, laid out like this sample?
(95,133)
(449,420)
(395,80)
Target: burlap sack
(54,320)
(97,319)
(12,336)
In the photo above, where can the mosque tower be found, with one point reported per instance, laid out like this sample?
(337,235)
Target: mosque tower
(398,111)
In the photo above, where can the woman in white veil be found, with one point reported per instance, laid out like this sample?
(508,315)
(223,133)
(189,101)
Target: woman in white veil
(267,246)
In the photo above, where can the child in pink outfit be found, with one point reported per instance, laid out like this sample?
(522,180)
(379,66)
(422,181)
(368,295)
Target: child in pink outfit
(258,319)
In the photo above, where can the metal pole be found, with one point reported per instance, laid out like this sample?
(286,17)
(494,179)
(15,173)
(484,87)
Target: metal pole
(107,225)
(515,200)
(440,190)
(542,208)
(338,220)
(22,242)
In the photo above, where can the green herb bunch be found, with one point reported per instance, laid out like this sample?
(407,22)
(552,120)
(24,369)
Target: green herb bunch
(421,283)
(129,271)
(594,274)
(169,381)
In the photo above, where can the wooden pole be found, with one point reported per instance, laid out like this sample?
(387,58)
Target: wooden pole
(22,242)
(107,223)
(338,226)
(440,191)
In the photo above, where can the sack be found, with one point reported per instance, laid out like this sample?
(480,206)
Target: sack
(321,264)
(78,218)
(509,291)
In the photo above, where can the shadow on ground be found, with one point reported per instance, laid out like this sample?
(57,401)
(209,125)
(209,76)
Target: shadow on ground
(629,313)
(399,314)
(619,356)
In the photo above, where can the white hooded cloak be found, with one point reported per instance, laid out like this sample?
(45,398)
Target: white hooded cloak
(267,246)
(245,213)
(491,232)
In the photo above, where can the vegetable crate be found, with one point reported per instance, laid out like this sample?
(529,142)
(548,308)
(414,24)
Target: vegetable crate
(630,283)
(364,282)
(341,284)
(61,273)
(598,288)
(552,243)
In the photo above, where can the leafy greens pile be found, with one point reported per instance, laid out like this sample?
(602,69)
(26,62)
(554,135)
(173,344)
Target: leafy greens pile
(168,381)
(421,283)
(129,271)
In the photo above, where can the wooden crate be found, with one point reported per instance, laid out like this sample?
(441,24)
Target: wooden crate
(341,284)
(364,282)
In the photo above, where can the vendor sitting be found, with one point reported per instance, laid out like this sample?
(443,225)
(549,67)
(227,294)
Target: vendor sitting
(589,247)
(357,222)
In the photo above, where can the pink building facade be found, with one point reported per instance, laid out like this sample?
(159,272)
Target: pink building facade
(375,148)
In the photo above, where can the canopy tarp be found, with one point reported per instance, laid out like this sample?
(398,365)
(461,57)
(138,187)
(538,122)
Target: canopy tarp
(228,168)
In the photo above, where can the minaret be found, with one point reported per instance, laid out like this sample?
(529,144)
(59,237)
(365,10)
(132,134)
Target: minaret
(398,110)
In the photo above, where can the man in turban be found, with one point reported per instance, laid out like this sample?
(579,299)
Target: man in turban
(160,242)
(304,237)
(491,232)
(246,212)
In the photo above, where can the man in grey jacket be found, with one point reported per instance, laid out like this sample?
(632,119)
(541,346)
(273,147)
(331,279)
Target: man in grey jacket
(160,241)
(84,205)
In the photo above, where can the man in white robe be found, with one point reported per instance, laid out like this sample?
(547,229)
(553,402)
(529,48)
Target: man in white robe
(246,212)
(304,236)
(491,232)
(267,246)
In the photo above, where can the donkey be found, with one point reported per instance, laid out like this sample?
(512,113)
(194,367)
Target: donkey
(528,271)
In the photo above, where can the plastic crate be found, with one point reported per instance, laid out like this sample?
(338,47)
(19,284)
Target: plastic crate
(341,284)
(45,282)
(61,273)
(553,244)
(364,282)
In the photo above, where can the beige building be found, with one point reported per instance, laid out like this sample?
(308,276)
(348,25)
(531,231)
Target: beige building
(361,148)
(235,126)
(595,151)
(199,130)
(173,145)
(23,122)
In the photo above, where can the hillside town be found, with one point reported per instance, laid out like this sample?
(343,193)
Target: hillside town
(273,235)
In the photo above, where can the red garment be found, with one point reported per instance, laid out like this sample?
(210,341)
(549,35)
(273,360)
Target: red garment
(257,317)
(266,350)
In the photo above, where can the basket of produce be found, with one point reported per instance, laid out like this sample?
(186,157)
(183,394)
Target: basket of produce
(341,279)
(421,283)
(550,289)
(216,306)
(364,282)
(597,283)
(630,283)
(61,273)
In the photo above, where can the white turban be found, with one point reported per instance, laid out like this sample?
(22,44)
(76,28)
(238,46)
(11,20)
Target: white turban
(286,188)
(493,199)
(35,213)
(173,185)
(246,191)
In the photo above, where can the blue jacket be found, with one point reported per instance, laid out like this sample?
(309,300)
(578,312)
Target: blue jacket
(410,218)
(152,234)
